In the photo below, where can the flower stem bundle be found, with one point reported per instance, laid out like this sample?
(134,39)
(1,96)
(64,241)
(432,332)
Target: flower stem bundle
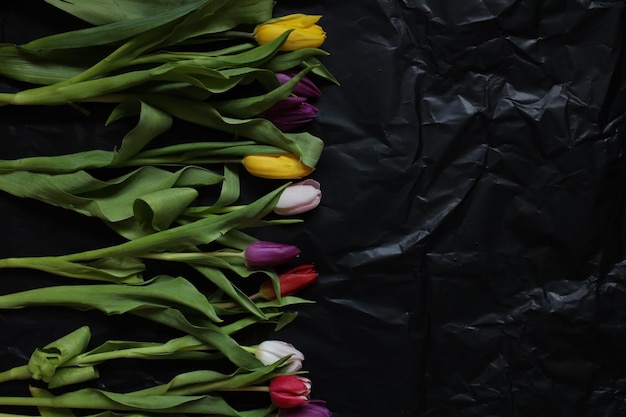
(230,67)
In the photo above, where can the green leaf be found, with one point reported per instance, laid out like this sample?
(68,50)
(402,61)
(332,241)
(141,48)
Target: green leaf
(230,187)
(320,70)
(112,200)
(205,381)
(73,375)
(44,361)
(305,145)
(285,319)
(223,283)
(23,65)
(161,292)
(200,152)
(102,12)
(159,209)
(289,60)
(204,330)
(60,164)
(151,124)
(111,33)
(185,347)
(49,411)
(248,107)
(122,270)
(237,239)
(190,235)
(95,399)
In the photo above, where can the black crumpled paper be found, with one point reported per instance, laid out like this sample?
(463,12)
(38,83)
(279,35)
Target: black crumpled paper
(470,240)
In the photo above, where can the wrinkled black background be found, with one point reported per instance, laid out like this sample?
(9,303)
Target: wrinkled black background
(470,238)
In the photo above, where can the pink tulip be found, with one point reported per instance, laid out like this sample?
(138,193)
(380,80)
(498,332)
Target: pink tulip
(299,198)
(271,351)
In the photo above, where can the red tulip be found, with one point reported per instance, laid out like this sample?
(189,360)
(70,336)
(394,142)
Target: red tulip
(291,281)
(289,391)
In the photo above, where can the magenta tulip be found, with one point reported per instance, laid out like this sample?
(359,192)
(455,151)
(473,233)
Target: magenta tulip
(290,113)
(304,88)
(261,254)
(315,408)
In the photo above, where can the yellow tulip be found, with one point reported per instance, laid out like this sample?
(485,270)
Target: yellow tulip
(305,34)
(282,167)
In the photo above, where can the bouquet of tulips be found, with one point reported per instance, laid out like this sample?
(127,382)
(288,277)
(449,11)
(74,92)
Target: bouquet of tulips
(232,68)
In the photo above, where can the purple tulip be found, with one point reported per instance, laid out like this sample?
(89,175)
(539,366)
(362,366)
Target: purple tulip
(290,113)
(261,254)
(304,88)
(315,408)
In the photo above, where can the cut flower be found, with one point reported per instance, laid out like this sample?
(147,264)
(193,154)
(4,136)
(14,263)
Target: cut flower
(290,282)
(305,33)
(283,167)
(261,254)
(299,198)
(271,351)
(290,113)
(315,408)
(289,391)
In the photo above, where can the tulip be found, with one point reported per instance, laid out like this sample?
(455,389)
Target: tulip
(299,198)
(304,88)
(288,391)
(260,254)
(282,167)
(290,113)
(315,408)
(305,34)
(271,351)
(290,282)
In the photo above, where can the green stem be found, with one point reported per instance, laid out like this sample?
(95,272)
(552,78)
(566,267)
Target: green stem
(211,386)
(238,34)
(189,256)
(17,373)
(132,353)
(177,160)
(16,415)
(232,304)
(165,57)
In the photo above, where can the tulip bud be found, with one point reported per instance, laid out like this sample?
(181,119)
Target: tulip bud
(289,391)
(271,351)
(290,113)
(305,34)
(299,198)
(283,167)
(290,282)
(315,408)
(304,88)
(261,253)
